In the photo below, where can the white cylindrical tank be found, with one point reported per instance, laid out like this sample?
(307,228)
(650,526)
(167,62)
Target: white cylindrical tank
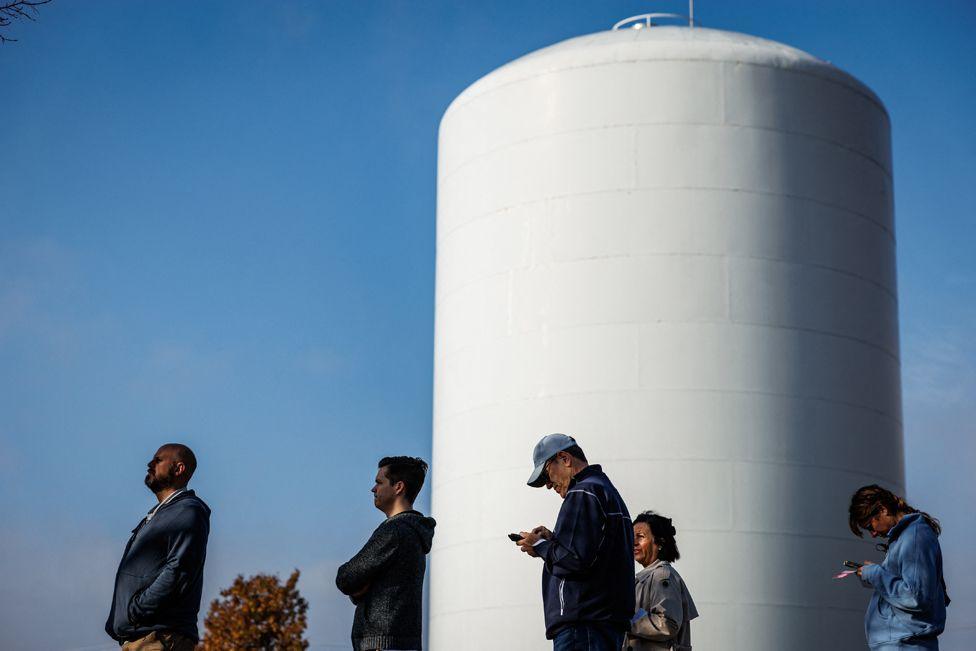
(676,245)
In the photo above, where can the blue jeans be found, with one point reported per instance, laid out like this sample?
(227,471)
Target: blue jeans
(588,637)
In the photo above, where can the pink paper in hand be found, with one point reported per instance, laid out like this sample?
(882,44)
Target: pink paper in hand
(845,574)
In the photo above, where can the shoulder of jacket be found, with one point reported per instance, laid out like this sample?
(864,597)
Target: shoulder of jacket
(594,484)
(191,500)
(586,491)
(921,533)
(189,511)
(389,528)
(663,573)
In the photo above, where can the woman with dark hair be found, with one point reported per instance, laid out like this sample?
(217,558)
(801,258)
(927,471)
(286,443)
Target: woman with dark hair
(664,606)
(908,608)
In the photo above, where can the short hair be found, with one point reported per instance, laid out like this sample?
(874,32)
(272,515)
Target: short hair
(576,451)
(664,533)
(185,456)
(410,470)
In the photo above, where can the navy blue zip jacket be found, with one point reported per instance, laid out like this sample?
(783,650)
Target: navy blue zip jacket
(589,572)
(160,579)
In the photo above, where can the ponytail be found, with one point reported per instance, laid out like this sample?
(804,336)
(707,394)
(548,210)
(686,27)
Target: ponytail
(867,501)
(905,507)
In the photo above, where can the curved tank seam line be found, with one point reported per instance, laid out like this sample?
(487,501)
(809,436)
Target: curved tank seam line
(636,125)
(757,462)
(887,173)
(878,347)
(876,101)
(448,293)
(570,394)
(771,326)
(522,607)
(605,460)
(717,532)
(748,532)
(881,349)
(851,609)
(557,197)
(482,473)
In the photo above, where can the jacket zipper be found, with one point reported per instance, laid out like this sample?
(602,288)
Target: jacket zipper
(562,601)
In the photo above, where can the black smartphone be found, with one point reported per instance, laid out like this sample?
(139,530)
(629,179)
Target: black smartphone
(853,565)
(515,537)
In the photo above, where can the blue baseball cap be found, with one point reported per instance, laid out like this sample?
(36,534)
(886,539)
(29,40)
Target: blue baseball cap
(545,449)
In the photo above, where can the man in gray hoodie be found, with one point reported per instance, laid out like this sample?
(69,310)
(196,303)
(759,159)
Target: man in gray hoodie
(386,578)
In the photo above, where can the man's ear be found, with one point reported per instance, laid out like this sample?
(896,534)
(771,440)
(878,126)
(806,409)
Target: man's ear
(180,469)
(400,488)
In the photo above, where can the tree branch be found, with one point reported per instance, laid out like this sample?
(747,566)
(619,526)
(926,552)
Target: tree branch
(11,10)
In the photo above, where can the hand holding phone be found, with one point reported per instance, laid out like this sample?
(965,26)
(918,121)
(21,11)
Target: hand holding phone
(515,537)
(854,565)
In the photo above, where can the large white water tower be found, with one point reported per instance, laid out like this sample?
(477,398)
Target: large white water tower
(677,245)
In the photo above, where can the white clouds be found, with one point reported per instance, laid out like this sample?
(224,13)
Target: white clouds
(56,592)
(171,371)
(35,275)
(320,360)
(940,452)
(940,370)
(329,611)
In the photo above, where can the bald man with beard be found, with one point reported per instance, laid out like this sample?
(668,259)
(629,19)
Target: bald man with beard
(160,580)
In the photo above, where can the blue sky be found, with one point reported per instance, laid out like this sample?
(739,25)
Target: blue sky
(217,226)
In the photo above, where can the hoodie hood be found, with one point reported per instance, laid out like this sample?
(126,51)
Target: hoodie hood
(421,525)
(188,494)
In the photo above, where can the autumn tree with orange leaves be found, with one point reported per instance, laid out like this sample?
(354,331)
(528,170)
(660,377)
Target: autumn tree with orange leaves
(257,613)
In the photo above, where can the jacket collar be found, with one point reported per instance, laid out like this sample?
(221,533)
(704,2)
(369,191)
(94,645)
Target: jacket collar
(650,568)
(902,524)
(589,471)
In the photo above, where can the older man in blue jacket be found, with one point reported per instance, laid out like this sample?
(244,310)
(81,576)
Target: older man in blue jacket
(160,580)
(588,578)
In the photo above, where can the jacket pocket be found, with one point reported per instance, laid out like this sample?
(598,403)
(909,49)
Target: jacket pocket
(137,585)
(884,609)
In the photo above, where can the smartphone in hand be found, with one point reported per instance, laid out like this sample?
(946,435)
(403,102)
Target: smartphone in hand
(854,565)
(515,537)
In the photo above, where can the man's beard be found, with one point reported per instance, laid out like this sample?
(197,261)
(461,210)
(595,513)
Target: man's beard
(157,483)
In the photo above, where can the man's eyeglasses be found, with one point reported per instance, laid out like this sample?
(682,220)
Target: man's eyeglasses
(545,468)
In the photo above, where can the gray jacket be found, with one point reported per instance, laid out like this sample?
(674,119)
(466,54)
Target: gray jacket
(391,565)
(663,596)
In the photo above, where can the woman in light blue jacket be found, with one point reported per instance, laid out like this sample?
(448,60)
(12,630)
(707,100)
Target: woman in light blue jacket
(908,608)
